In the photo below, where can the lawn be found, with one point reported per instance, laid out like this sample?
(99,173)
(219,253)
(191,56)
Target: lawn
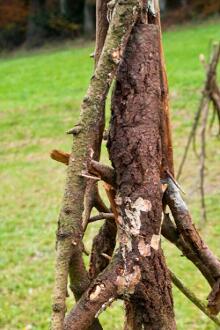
(40,95)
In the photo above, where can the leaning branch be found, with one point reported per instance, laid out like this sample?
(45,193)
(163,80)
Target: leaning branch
(184,236)
(185,226)
(207,95)
(192,297)
(69,224)
(101,293)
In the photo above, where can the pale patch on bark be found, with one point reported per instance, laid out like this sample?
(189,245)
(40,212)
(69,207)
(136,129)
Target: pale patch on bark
(155,242)
(127,283)
(133,213)
(118,200)
(120,220)
(98,289)
(175,195)
(104,306)
(144,249)
(164,187)
(116,55)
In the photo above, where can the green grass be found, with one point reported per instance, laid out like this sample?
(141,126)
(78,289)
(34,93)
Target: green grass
(40,96)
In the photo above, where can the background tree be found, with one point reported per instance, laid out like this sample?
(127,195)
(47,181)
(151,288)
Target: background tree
(36,29)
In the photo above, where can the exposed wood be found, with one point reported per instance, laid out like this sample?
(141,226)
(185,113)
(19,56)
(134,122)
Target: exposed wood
(166,135)
(170,232)
(60,156)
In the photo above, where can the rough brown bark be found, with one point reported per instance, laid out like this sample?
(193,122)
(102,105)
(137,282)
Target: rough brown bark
(141,152)
(169,229)
(136,154)
(99,296)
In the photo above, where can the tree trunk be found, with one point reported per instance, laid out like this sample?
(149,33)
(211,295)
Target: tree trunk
(63,7)
(89,19)
(35,29)
(136,154)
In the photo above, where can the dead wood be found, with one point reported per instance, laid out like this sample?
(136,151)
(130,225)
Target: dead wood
(191,236)
(60,156)
(70,229)
(140,147)
(101,293)
(192,297)
(171,233)
(174,234)
(134,135)
(102,216)
(207,95)
(210,94)
(101,27)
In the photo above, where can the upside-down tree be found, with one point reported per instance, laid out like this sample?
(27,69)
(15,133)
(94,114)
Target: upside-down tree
(127,260)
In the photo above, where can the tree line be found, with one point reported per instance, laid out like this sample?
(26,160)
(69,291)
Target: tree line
(34,21)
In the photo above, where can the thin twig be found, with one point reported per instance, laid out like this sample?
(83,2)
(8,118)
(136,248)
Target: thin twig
(192,297)
(207,95)
(102,216)
(202,161)
(190,138)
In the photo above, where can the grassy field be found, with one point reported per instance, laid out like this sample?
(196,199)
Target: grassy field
(40,95)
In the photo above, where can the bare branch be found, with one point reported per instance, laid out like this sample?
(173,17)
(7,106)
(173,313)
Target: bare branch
(207,93)
(202,161)
(91,118)
(60,156)
(214,298)
(100,292)
(191,296)
(170,232)
(185,226)
(105,172)
(102,216)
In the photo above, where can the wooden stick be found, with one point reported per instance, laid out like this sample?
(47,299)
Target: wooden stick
(192,297)
(206,95)
(202,162)
(102,216)
(60,156)
(124,17)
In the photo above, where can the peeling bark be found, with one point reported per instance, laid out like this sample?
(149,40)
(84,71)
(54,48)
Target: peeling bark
(136,154)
